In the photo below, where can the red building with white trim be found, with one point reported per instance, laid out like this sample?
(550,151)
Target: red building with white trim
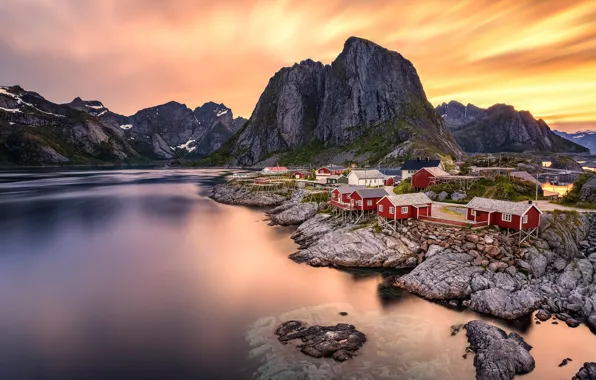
(330,170)
(340,196)
(426,177)
(505,214)
(367,199)
(404,206)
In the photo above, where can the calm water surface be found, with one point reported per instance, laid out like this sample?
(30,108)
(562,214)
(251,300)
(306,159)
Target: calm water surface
(137,274)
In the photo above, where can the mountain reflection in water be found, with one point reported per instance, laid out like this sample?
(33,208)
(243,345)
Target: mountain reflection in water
(126,274)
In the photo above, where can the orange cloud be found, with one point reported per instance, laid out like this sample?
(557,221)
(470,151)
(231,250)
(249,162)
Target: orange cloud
(536,55)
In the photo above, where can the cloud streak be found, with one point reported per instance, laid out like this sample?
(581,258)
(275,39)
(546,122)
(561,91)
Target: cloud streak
(131,54)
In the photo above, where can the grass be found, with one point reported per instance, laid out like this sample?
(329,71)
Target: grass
(404,187)
(449,210)
(305,153)
(573,197)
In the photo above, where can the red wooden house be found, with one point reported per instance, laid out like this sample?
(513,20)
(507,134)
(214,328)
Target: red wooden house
(330,170)
(426,177)
(389,180)
(301,174)
(404,206)
(340,196)
(518,216)
(366,199)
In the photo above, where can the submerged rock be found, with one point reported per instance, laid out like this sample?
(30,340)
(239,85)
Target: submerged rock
(587,372)
(340,341)
(498,356)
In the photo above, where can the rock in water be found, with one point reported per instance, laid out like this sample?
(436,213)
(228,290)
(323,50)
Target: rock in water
(587,372)
(498,356)
(367,92)
(543,315)
(340,341)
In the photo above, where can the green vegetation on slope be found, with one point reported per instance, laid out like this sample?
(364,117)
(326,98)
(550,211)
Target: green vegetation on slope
(572,198)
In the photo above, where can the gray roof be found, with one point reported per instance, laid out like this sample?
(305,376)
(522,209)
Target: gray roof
(368,174)
(409,199)
(350,189)
(504,207)
(333,177)
(372,193)
(525,176)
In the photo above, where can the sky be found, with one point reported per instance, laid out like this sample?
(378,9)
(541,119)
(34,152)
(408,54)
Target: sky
(132,54)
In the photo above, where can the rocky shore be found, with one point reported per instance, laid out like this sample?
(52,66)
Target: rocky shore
(484,270)
(236,195)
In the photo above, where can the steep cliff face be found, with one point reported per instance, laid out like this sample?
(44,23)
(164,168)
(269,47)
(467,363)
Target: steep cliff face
(368,91)
(36,131)
(501,128)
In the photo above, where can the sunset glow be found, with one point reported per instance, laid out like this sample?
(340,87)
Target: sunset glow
(131,54)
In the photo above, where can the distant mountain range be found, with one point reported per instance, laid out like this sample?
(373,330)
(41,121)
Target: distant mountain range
(501,128)
(34,130)
(367,106)
(586,139)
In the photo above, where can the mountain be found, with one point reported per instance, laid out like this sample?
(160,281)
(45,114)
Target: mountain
(586,139)
(368,104)
(35,131)
(501,128)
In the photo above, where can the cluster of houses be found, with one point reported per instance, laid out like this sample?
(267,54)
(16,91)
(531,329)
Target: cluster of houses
(335,175)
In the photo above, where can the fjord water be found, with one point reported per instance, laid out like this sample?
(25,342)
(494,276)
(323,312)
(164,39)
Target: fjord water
(126,274)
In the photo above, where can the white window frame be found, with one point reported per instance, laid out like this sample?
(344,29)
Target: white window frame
(369,202)
(405,209)
(525,219)
(380,208)
(391,210)
(473,213)
(506,217)
(360,202)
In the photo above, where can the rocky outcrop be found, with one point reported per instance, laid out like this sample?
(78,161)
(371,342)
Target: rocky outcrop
(339,342)
(587,193)
(565,163)
(235,195)
(587,372)
(296,214)
(353,246)
(564,232)
(501,128)
(498,356)
(368,92)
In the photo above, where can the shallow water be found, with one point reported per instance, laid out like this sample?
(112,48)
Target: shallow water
(126,274)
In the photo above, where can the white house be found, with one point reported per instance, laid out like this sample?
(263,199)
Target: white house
(412,166)
(371,178)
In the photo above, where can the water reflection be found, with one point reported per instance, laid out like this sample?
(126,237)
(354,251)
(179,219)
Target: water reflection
(135,274)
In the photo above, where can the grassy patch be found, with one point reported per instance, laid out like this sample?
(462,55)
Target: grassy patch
(404,187)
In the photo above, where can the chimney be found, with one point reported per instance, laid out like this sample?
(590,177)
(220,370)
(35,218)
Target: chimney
(426,159)
(417,159)
(530,202)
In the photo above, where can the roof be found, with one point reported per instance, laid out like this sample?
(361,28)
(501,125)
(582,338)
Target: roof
(504,207)
(368,174)
(333,177)
(482,168)
(525,176)
(419,164)
(372,193)
(436,171)
(276,168)
(332,167)
(409,199)
(349,189)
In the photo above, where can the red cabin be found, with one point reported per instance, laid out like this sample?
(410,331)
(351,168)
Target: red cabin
(367,199)
(330,170)
(425,177)
(505,214)
(389,181)
(404,206)
(340,196)
(301,174)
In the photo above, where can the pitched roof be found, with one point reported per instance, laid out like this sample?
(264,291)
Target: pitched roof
(349,189)
(419,164)
(504,207)
(276,168)
(372,193)
(525,176)
(409,199)
(368,174)
(333,177)
(436,171)
(332,167)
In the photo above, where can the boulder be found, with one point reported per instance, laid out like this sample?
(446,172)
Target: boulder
(587,372)
(543,315)
(458,196)
(504,304)
(498,356)
(298,213)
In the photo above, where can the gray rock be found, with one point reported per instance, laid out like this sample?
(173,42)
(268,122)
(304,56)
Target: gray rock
(230,194)
(458,196)
(297,214)
(433,250)
(442,196)
(587,372)
(543,315)
(504,304)
(441,277)
(498,356)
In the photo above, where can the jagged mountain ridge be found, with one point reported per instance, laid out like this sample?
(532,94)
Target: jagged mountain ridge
(501,128)
(369,99)
(586,139)
(36,131)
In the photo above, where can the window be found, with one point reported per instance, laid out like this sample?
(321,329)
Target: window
(404,210)
(391,210)
(369,203)
(360,203)
(506,217)
(473,213)
(525,220)
(380,208)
